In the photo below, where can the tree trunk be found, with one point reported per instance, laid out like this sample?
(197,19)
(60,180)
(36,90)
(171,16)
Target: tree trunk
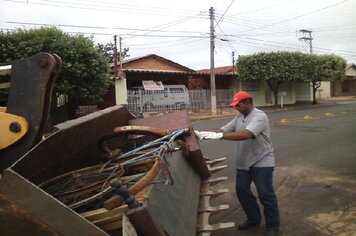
(315,85)
(274,86)
(275,94)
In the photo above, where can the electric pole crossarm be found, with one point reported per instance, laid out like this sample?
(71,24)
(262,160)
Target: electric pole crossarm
(308,40)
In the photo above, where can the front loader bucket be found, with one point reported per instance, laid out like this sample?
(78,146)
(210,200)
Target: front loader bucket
(26,209)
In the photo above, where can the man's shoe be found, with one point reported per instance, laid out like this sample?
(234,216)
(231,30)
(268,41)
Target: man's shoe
(271,232)
(246,225)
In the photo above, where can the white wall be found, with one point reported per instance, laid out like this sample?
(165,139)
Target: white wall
(324,92)
(121,91)
(350,71)
(303,91)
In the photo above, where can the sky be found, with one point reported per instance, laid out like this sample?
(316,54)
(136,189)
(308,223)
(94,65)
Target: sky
(180,30)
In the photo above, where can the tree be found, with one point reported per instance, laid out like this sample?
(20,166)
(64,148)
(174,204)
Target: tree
(278,67)
(323,68)
(274,68)
(85,73)
(109,48)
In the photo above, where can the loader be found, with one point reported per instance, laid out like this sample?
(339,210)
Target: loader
(106,173)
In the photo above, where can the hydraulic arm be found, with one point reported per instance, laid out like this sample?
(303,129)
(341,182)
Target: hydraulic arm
(23,121)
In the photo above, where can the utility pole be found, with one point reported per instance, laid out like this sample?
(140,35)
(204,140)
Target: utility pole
(308,40)
(115,56)
(120,53)
(212,66)
(233,59)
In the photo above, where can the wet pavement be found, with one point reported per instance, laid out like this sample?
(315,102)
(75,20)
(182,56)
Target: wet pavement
(311,204)
(312,201)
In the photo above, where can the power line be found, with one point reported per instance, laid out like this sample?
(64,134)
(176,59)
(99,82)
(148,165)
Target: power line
(264,8)
(302,15)
(254,24)
(104,27)
(97,5)
(222,16)
(227,39)
(69,32)
(176,22)
(188,37)
(158,31)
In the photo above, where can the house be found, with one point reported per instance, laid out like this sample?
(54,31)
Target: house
(159,69)
(150,67)
(156,68)
(226,77)
(346,87)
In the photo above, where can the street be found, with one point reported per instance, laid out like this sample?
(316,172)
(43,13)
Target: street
(315,177)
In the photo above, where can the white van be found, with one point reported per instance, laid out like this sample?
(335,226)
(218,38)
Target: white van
(171,97)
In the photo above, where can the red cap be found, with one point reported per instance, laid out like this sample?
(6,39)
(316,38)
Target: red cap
(238,97)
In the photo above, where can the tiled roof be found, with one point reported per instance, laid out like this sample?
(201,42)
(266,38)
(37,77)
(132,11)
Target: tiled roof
(157,57)
(350,65)
(219,70)
(161,71)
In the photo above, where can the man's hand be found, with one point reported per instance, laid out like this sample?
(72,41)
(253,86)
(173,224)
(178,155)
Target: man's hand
(205,135)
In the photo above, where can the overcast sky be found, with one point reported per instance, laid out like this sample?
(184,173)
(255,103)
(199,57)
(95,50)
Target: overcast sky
(179,30)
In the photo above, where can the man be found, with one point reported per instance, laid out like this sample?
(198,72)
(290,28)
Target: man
(254,161)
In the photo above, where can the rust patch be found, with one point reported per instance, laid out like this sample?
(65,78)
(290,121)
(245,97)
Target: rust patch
(17,221)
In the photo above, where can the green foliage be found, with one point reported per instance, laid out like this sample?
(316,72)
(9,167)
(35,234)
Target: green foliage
(108,50)
(85,71)
(290,66)
(281,66)
(332,67)
(278,67)
(323,68)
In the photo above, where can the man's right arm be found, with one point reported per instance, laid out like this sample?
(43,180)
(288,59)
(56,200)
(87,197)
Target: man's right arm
(238,135)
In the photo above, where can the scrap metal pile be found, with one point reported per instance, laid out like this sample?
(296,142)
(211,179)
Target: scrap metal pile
(121,179)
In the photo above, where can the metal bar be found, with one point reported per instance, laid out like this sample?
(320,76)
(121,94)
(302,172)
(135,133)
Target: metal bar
(213,162)
(216,226)
(5,85)
(217,168)
(214,181)
(214,209)
(206,194)
(5,70)
(215,193)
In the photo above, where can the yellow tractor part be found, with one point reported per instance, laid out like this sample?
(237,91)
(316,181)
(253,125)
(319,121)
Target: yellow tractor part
(12,128)
(27,112)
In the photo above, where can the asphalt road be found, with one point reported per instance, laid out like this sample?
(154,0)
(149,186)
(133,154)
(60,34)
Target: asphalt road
(315,174)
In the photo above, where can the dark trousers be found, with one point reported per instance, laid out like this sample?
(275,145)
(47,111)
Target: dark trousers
(263,180)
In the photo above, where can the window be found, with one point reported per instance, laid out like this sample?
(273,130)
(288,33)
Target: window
(177,90)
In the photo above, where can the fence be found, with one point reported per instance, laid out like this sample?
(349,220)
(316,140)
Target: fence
(140,101)
(77,108)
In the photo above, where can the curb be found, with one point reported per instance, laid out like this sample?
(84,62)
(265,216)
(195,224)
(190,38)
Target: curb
(230,112)
(268,109)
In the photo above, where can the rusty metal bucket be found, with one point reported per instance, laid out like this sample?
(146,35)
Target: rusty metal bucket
(28,210)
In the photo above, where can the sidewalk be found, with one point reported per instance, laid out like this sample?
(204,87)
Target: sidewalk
(204,114)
